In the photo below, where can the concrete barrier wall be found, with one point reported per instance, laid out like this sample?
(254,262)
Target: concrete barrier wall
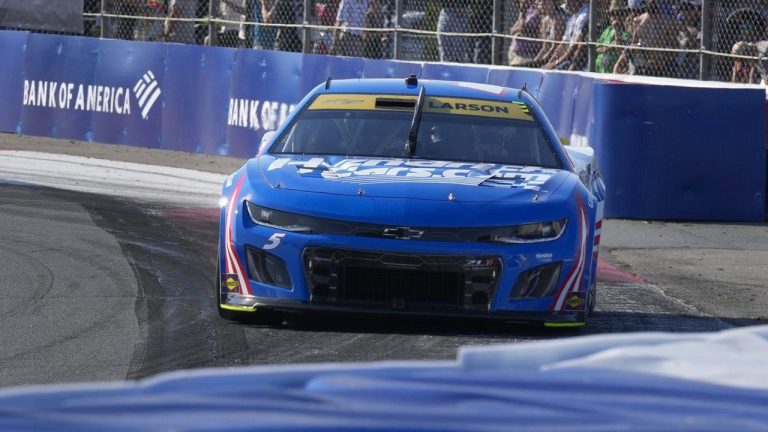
(667,152)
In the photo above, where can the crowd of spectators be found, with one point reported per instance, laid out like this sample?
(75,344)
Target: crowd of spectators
(639,37)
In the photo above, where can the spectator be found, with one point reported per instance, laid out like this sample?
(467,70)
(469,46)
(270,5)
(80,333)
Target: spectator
(180,31)
(522,51)
(91,24)
(373,41)
(745,70)
(124,27)
(655,29)
(263,36)
(283,12)
(689,38)
(570,54)
(744,24)
(201,26)
(388,16)
(245,9)
(453,18)
(551,30)
(481,19)
(614,35)
(150,27)
(412,45)
(623,64)
(634,9)
(229,30)
(349,41)
(762,63)
(325,14)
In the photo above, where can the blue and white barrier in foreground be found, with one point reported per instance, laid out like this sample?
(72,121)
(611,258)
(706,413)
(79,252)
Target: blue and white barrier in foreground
(629,382)
(667,152)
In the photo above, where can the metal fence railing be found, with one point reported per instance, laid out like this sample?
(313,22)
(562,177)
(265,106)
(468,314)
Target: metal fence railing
(725,40)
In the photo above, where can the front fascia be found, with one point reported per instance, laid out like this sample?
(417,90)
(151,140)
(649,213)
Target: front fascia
(516,258)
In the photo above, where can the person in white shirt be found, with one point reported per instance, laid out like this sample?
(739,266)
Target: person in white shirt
(453,18)
(572,55)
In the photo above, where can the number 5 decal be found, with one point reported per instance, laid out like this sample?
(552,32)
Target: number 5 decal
(273,241)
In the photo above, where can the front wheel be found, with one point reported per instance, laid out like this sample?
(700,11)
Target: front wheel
(592,300)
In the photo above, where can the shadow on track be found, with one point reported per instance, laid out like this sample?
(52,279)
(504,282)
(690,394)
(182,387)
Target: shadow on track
(600,322)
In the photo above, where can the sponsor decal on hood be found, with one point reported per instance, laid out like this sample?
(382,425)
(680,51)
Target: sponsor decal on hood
(374,171)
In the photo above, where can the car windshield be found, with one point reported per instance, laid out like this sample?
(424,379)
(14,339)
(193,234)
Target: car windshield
(450,129)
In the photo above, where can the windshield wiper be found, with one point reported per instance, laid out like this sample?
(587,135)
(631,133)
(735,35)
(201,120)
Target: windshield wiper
(410,143)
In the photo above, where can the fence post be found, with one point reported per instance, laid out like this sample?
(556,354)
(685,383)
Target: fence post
(398,44)
(212,13)
(102,30)
(592,37)
(307,44)
(706,39)
(496,40)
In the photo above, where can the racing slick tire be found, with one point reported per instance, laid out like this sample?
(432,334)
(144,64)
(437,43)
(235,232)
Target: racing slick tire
(592,300)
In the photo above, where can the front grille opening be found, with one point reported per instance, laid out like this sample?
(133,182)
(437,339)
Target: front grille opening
(479,298)
(400,281)
(385,285)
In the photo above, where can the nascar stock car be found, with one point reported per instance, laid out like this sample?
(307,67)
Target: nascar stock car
(413,197)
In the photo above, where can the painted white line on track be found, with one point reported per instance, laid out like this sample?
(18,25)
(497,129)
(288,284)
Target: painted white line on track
(146,182)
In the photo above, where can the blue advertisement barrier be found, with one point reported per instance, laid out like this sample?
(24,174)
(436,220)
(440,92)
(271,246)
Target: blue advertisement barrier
(666,152)
(12,52)
(698,160)
(81,88)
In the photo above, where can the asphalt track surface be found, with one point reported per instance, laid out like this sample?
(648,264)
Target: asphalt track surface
(106,279)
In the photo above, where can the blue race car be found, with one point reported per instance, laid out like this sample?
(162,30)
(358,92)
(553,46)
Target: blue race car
(413,197)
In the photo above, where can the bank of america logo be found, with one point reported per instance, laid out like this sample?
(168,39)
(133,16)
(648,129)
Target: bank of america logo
(146,91)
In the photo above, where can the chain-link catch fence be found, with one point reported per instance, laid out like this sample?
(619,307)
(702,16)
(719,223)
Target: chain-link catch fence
(725,40)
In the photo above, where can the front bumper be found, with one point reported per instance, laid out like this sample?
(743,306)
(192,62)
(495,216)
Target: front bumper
(489,267)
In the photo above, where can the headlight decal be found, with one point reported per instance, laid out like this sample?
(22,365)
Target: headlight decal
(277,219)
(531,233)
(234,265)
(574,276)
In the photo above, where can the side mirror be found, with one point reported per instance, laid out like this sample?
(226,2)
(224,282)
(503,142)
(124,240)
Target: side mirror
(584,162)
(265,139)
(565,141)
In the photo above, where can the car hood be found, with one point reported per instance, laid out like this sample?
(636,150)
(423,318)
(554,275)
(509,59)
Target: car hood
(410,178)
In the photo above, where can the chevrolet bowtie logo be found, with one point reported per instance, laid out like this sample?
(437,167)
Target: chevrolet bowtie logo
(402,233)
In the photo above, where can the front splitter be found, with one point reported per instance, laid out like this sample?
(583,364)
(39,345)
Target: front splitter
(562,319)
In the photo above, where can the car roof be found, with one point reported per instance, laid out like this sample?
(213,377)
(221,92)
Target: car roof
(433,87)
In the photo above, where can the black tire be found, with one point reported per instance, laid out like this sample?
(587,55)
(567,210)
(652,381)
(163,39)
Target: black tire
(592,300)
